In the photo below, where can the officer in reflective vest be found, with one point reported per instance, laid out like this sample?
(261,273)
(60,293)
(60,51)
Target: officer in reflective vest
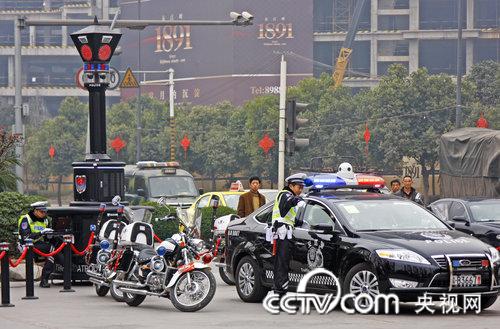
(33,225)
(283,221)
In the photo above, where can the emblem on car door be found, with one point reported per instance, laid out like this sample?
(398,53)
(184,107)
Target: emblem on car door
(315,254)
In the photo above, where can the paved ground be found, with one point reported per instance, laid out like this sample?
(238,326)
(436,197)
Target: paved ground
(84,309)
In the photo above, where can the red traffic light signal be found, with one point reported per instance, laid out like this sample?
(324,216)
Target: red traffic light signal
(96,44)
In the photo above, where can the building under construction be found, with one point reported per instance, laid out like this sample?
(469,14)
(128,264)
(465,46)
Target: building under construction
(414,33)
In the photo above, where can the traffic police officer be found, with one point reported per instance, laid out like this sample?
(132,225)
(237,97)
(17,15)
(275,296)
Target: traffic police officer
(33,225)
(283,221)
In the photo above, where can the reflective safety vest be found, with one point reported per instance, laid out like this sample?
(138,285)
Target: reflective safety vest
(289,218)
(35,226)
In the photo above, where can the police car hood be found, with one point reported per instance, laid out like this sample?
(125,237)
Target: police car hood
(427,242)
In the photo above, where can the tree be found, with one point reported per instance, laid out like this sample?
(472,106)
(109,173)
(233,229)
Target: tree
(8,160)
(410,113)
(67,134)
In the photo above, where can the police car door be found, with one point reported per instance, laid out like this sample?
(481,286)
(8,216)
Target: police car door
(315,243)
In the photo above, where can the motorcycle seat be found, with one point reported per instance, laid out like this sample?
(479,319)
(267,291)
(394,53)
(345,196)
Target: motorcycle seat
(145,255)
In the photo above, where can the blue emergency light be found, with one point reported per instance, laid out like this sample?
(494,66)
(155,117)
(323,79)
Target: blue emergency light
(325,181)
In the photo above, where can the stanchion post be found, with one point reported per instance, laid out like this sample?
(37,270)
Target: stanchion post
(68,239)
(30,280)
(4,246)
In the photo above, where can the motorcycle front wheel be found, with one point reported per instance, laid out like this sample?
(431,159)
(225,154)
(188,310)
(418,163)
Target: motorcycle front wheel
(101,291)
(192,297)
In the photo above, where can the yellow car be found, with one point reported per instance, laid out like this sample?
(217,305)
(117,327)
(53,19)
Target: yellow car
(226,199)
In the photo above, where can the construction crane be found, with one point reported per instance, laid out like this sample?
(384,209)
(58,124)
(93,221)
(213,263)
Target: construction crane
(346,50)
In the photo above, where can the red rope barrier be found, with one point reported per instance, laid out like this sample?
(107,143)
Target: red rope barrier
(50,254)
(157,238)
(2,254)
(19,260)
(81,253)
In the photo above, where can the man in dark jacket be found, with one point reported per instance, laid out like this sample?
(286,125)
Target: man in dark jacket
(251,200)
(408,192)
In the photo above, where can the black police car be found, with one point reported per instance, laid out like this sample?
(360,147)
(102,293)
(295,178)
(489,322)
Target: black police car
(374,243)
(479,217)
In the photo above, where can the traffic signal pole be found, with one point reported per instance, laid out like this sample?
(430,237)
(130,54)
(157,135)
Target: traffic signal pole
(237,19)
(281,143)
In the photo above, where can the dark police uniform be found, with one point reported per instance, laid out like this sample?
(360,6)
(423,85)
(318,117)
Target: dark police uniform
(283,221)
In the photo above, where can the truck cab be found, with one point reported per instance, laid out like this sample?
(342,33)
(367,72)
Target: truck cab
(151,180)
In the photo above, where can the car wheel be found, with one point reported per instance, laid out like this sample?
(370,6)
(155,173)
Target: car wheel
(249,280)
(361,279)
(226,276)
(487,301)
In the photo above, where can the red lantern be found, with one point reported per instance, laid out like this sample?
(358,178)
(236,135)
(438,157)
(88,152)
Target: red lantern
(482,122)
(185,143)
(118,144)
(367,137)
(266,143)
(52,152)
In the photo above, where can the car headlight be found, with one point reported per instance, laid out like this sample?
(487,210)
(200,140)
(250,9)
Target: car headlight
(495,255)
(402,255)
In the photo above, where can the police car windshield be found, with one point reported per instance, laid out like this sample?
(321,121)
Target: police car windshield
(375,215)
(486,211)
(172,186)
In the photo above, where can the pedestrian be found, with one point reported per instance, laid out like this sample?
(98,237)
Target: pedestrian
(408,192)
(283,222)
(34,225)
(395,186)
(251,200)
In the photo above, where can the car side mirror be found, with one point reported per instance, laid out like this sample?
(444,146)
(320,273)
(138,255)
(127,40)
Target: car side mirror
(201,191)
(140,192)
(451,223)
(460,219)
(322,227)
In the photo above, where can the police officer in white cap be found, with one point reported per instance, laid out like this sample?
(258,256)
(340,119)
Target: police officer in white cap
(283,221)
(34,225)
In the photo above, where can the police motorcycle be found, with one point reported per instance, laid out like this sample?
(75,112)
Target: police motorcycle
(101,270)
(177,269)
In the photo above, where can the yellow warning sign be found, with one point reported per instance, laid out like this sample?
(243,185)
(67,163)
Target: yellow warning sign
(129,81)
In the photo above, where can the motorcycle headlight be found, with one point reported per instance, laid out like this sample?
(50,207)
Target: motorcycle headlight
(198,244)
(103,257)
(157,264)
(402,255)
(498,237)
(495,255)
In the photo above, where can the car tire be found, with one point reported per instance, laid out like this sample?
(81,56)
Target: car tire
(487,301)
(226,276)
(359,278)
(248,280)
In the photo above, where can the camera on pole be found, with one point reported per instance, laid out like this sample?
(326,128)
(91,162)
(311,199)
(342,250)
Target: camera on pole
(293,123)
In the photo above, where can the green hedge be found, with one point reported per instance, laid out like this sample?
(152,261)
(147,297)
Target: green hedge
(167,229)
(13,205)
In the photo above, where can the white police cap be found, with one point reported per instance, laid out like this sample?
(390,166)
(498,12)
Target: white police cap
(40,205)
(296,179)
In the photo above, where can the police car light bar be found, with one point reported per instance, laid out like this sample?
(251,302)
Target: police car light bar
(370,180)
(333,182)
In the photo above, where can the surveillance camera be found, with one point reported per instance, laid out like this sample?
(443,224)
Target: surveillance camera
(235,16)
(247,16)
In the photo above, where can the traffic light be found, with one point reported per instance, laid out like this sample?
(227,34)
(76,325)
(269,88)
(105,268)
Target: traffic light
(96,45)
(293,122)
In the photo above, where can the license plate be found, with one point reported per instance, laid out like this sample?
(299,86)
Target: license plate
(466,280)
